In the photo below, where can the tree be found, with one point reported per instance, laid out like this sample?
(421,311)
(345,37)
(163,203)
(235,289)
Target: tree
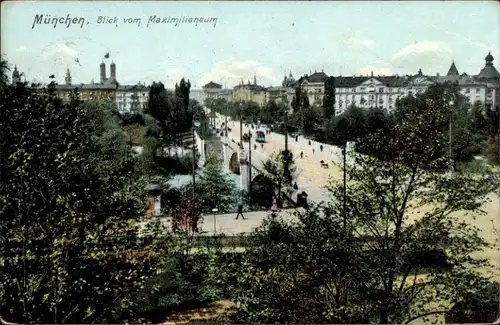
(215,188)
(71,202)
(329,98)
(270,112)
(4,68)
(160,107)
(375,259)
(274,169)
(182,117)
(297,100)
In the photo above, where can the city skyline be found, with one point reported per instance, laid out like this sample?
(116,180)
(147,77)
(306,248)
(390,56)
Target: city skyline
(263,38)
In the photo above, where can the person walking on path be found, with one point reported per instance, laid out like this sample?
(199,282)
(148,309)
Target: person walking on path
(240,211)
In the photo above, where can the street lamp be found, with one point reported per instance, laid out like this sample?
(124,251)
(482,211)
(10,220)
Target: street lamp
(286,170)
(249,163)
(195,124)
(226,118)
(241,125)
(452,102)
(214,210)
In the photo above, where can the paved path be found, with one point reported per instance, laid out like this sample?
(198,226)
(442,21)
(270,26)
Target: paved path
(226,223)
(311,177)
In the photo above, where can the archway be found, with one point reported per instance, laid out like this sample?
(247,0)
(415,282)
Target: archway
(262,191)
(234,164)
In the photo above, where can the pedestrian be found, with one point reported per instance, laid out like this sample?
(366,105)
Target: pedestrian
(295,186)
(262,146)
(240,211)
(313,150)
(274,205)
(301,154)
(321,148)
(254,147)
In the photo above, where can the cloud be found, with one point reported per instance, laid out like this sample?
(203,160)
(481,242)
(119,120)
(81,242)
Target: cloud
(230,72)
(59,53)
(52,60)
(354,41)
(427,55)
(169,76)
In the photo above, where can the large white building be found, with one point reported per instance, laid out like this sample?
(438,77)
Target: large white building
(383,91)
(215,91)
(132,99)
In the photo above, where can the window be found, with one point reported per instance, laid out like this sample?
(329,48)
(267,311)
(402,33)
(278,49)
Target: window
(478,90)
(467,91)
(381,90)
(353,90)
(143,94)
(362,89)
(371,97)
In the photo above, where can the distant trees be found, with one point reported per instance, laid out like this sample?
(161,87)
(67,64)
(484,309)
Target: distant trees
(329,98)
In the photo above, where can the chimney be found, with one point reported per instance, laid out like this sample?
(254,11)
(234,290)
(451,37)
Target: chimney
(112,70)
(103,72)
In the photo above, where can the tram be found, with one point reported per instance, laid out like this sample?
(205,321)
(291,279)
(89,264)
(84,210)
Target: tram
(261,136)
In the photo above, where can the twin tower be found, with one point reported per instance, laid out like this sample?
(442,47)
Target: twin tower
(112,71)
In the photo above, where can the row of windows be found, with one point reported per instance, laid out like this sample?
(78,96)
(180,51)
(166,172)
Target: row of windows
(371,90)
(129,94)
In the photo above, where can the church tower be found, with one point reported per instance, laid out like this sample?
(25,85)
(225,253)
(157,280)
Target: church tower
(67,79)
(453,71)
(112,70)
(254,79)
(16,76)
(103,72)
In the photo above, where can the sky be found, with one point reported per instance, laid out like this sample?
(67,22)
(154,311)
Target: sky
(266,39)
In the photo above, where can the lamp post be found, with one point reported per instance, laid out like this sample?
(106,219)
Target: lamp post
(214,210)
(226,119)
(452,102)
(195,123)
(241,125)
(286,170)
(249,164)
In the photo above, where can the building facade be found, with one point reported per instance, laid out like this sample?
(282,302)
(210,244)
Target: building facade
(104,90)
(132,99)
(250,92)
(383,91)
(214,91)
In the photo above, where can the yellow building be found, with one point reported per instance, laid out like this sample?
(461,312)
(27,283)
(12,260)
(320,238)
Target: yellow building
(250,92)
(105,90)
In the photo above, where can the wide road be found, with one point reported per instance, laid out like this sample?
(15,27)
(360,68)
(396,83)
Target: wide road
(312,178)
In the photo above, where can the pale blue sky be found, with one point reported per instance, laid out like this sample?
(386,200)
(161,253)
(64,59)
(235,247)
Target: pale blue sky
(266,38)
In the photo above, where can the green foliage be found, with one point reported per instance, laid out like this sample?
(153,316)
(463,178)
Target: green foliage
(4,69)
(215,189)
(71,198)
(274,170)
(329,98)
(480,305)
(361,261)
